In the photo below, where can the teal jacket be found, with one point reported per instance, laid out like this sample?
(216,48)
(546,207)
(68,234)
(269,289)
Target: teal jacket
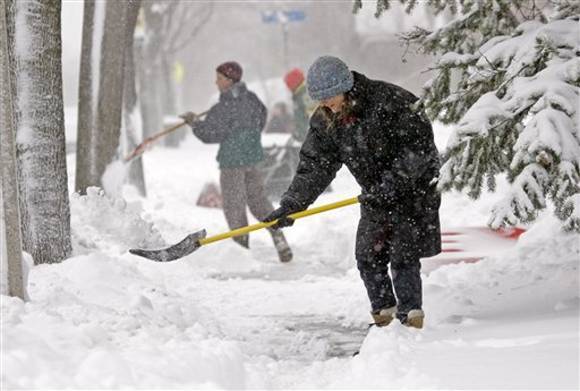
(236,123)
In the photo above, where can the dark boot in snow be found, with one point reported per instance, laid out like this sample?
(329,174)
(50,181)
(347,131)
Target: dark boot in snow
(284,251)
(243,240)
(384,317)
(413,319)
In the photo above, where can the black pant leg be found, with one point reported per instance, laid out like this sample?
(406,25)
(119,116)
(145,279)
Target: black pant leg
(372,255)
(407,282)
(406,264)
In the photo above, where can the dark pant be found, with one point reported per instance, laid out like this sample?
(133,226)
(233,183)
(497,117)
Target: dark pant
(241,187)
(374,253)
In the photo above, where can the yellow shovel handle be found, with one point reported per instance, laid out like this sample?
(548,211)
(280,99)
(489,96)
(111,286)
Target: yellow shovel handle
(297,215)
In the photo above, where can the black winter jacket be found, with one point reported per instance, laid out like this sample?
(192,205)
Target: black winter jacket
(389,149)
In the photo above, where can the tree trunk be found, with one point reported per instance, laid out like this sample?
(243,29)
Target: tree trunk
(11,249)
(169,101)
(148,74)
(131,109)
(34,37)
(85,160)
(111,75)
(150,113)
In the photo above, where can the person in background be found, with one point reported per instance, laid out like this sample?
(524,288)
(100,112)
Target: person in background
(236,123)
(388,146)
(303,105)
(280,120)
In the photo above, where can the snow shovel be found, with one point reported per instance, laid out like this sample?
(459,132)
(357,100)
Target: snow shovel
(150,140)
(197,239)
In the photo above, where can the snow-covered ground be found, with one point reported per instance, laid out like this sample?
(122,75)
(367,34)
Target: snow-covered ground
(228,318)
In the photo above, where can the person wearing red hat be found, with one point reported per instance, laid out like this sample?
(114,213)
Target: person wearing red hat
(303,105)
(236,123)
(294,79)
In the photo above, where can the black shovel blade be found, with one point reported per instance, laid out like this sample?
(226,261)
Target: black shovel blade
(171,253)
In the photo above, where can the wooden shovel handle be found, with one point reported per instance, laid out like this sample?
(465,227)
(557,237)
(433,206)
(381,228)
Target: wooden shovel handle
(149,140)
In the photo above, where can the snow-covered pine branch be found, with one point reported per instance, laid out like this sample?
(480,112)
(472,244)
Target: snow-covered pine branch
(509,76)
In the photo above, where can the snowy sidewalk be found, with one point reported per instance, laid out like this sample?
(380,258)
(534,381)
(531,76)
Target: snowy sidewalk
(224,317)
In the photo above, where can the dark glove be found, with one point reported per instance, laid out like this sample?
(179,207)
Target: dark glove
(281,214)
(189,118)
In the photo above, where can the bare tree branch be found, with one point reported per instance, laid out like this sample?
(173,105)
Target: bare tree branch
(197,24)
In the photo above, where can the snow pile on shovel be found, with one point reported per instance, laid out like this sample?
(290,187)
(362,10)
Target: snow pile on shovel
(107,223)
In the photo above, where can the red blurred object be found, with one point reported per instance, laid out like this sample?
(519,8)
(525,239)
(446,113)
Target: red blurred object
(512,232)
(210,196)
(294,78)
(472,244)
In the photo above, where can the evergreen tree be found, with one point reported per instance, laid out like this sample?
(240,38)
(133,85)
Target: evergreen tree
(508,75)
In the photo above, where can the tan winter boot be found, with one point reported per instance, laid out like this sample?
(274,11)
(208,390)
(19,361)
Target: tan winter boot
(415,319)
(384,317)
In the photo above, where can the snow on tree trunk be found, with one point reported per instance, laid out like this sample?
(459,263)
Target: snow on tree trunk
(515,100)
(35,51)
(11,242)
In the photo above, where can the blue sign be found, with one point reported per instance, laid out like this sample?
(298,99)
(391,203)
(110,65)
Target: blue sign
(283,16)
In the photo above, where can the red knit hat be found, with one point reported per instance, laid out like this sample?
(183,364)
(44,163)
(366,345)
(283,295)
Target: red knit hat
(232,70)
(294,78)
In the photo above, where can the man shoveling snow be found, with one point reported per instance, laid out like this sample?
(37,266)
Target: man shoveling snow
(236,123)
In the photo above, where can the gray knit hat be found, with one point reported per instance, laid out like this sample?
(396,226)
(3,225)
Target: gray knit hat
(327,77)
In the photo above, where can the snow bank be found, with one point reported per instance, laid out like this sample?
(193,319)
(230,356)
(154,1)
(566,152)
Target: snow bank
(109,320)
(538,276)
(109,224)
(95,322)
